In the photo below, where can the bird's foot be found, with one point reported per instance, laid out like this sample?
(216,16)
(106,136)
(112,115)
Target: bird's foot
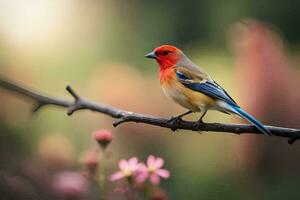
(198,125)
(174,122)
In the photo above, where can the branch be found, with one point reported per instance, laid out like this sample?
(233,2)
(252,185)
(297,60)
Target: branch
(122,116)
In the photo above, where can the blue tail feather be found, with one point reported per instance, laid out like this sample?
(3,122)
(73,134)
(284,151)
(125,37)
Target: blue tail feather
(251,119)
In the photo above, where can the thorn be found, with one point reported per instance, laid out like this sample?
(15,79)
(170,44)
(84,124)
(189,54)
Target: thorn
(293,139)
(37,107)
(72,92)
(118,122)
(70,112)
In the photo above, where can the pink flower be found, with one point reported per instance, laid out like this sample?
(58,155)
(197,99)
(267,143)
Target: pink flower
(103,137)
(153,170)
(70,184)
(127,169)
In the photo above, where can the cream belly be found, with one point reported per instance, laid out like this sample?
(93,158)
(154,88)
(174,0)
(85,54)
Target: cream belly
(188,98)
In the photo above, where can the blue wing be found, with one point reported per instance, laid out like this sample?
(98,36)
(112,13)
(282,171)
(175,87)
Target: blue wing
(208,87)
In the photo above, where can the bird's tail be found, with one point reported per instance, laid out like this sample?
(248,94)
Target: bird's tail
(237,110)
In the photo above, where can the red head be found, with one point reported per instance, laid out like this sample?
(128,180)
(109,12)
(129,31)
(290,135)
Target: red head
(166,55)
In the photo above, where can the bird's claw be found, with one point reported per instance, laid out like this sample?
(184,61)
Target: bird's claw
(198,125)
(173,122)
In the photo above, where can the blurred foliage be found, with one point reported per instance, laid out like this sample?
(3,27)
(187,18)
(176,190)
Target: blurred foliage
(206,21)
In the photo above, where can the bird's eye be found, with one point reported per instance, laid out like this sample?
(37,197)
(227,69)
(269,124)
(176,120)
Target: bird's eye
(165,53)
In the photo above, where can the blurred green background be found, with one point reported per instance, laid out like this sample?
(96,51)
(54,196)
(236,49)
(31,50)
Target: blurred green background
(250,48)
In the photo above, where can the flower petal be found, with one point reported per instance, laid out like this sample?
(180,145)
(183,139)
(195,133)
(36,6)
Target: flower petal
(154,179)
(141,173)
(141,176)
(133,161)
(116,176)
(159,162)
(142,168)
(123,164)
(163,173)
(150,160)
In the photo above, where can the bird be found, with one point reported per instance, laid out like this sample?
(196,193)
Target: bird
(192,88)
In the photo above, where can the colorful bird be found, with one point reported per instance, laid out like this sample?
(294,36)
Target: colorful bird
(188,85)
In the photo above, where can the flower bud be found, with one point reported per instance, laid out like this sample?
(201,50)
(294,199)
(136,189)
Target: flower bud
(90,160)
(103,137)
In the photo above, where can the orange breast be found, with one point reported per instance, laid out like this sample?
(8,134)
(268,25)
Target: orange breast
(182,95)
(166,75)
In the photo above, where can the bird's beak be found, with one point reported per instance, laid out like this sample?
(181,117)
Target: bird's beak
(151,55)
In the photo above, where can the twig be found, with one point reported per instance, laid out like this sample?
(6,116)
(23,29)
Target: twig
(123,116)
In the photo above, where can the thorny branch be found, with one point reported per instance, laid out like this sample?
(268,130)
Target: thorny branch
(122,116)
